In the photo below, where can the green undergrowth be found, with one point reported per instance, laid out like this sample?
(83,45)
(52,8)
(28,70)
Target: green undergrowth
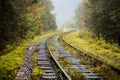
(10,62)
(87,42)
(37,73)
(35,55)
(65,63)
(93,65)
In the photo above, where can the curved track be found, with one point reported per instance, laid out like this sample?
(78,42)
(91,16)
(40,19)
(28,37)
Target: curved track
(46,61)
(49,65)
(117,70)
(87,73)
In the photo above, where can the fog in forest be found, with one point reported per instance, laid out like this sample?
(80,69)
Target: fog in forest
(65,12)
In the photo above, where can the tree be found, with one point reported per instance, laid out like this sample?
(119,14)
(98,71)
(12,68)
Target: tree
(101,17)
(22,19)
(48,19)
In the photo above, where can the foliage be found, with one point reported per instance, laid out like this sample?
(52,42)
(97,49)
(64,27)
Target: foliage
(97,47)
(37,73)
(102,17)
(22,19)
(89,45)
(75,74)
(10,62)
(35,57)
(64,62)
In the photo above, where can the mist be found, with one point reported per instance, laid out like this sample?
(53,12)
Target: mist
(64,10)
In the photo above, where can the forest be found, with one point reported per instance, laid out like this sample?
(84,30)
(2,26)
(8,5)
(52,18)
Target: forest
(92,44)
(102,17)
(22,19)
(20,22)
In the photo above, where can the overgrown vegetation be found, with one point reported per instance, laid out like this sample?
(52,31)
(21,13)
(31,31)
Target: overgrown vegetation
(21,23)
(99,48)
(37,73)
(66,64)
(10,62)
(102,17)
(22,19)
(93,64)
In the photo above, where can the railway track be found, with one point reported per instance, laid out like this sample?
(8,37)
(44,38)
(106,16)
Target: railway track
(91,75)
(25,70)
(49,65)
(113,70)
(87,54)
(46,61)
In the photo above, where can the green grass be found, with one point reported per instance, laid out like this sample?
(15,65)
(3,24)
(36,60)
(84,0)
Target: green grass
(85,41)
(37,73)
(65,63)
(100,69)
(10,62)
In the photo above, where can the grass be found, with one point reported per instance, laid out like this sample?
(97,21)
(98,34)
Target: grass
(100,69)
(37,73)
(85,41)
(10,62)
(65,63)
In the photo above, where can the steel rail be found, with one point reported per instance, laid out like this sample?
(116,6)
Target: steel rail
(62,74)
(89,55)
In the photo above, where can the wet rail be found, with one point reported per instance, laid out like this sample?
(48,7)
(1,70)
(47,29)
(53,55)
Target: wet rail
(117,70)
(45,64)
(49,65)
(46,61)
(87,73)
(62,75)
